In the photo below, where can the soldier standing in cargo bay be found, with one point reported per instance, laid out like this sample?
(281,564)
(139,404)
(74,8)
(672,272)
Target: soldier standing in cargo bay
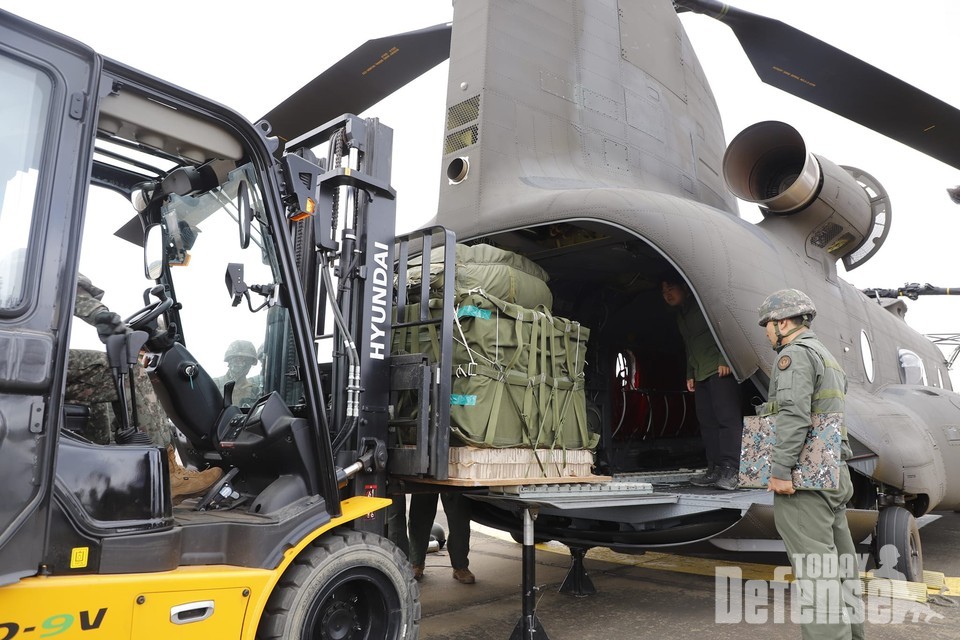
(807,380)
(716,393)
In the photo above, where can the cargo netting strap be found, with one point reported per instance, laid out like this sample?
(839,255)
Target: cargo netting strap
(561,341)
(531,356)
(551,358)
(466,345)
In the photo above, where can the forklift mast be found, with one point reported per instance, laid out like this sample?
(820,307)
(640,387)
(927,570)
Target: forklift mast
(354,272)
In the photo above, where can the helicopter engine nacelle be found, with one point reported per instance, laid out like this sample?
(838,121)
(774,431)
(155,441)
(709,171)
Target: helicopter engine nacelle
(841,211)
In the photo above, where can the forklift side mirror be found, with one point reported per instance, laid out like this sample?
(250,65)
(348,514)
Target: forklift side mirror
(244,213)
(153,252)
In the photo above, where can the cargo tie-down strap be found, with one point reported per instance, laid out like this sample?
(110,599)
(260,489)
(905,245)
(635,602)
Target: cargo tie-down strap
(536,361)
(503,350)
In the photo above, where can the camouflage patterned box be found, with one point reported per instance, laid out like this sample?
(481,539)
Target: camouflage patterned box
(819,463)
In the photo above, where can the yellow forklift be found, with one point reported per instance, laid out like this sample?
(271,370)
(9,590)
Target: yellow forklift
(289,542)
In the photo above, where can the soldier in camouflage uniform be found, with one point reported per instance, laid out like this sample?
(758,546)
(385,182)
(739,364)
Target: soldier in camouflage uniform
(90,382)
(240,358)
(812,522)
(258,381)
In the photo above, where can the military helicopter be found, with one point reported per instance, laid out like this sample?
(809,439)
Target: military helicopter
(597,151)
(600,145)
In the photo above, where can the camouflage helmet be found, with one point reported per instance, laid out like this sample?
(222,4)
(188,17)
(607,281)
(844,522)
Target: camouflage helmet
(786,303)
(241,349)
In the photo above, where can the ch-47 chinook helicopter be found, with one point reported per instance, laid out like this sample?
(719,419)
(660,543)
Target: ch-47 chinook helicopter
(580,134)
(584,136)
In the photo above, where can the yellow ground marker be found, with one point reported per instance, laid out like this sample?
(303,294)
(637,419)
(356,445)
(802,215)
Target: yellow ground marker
(934,583)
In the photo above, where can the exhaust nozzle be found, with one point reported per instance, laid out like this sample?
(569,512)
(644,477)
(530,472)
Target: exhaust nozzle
(768,163)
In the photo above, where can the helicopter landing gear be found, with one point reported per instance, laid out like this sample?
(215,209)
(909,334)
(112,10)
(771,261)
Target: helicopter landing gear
(578,582)
(898,549)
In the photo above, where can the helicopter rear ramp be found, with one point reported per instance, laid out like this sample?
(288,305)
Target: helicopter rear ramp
(644,510)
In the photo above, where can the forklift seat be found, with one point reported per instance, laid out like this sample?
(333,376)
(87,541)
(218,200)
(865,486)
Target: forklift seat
(190,398)
(96,422)
(76,417)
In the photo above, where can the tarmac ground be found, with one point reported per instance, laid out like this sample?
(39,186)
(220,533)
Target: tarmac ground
(663,596)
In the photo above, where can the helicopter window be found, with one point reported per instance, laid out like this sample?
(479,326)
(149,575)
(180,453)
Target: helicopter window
(24,102)
(939,378)
(866,353)
(911,368)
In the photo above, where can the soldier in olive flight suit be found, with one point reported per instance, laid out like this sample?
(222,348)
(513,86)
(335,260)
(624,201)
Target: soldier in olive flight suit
(807,380)
(90,382)
(716,393)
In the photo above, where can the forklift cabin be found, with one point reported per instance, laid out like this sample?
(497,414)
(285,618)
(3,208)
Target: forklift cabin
(286,543)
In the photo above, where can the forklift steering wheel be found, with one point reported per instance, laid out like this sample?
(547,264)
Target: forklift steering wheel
(148,314)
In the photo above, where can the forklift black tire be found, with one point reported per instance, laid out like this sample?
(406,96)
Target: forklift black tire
(348,585)
(896,526)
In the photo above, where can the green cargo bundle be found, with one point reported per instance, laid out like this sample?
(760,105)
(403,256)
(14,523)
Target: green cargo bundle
(517,370)
(517,373)
(518,377)
(503,274)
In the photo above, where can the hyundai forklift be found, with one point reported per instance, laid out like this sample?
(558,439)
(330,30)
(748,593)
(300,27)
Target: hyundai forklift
(243,235)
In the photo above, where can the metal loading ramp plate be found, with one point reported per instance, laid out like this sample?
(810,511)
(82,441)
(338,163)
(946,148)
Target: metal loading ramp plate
(614,487)
(578,496)
(634,489)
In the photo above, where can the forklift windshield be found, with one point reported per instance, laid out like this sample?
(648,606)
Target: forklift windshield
(201,239)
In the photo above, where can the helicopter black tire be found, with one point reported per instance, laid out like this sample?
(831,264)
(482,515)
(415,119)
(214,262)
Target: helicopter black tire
(898,527)
(346,579)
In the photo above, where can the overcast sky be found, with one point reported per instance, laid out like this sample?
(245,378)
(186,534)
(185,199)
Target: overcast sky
(251,59)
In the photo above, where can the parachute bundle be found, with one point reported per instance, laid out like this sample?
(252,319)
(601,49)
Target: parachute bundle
(502,274)
(518,376)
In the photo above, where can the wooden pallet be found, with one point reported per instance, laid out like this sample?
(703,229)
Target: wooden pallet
(505,482)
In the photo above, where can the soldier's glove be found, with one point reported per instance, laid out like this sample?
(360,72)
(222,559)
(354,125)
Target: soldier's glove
(109,324)
(163,339)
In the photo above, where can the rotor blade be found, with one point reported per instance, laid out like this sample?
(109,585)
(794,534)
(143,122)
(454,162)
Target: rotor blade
(368,74)
(806,67)
(912,290)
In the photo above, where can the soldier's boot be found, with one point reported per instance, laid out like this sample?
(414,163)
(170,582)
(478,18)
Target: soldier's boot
(464,576)
(728,479)
(186,483)
(707,478)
